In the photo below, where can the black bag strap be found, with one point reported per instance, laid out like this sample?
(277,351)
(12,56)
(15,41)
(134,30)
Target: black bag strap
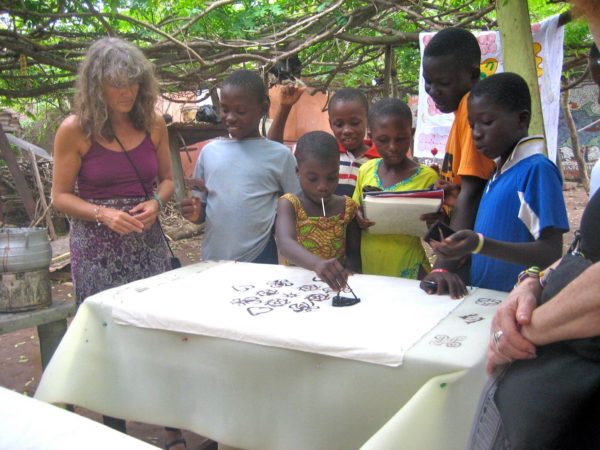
(145,192)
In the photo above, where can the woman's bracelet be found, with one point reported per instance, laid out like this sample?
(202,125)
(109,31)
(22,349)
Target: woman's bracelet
(479,243)
(97,215)
(439,271)
(158,200)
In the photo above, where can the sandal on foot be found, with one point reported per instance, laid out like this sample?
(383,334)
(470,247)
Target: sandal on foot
(175,442)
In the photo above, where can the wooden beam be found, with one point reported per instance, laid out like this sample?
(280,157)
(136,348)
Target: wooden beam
(517,51)
(20,183)
(42,194)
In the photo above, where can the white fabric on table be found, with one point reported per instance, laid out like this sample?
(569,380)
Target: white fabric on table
(28,424)
(275,305)
(260,397)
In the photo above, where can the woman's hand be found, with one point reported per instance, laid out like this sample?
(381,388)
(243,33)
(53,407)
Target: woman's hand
(444,282)
(120,221)
(460,244)
(332,273)
(363,222)
(146,212)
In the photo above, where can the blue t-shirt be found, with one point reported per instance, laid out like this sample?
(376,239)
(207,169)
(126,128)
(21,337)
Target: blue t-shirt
(517,204)
(244,179)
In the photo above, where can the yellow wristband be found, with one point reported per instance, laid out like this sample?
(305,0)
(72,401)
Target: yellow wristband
(479,244)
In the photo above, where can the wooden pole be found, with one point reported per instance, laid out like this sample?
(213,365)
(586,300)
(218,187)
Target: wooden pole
(517,51)
(20,182)
(175,141)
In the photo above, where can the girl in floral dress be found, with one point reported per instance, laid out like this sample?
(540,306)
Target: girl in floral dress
(316,229)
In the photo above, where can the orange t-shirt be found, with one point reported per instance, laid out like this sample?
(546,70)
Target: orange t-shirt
(462,158)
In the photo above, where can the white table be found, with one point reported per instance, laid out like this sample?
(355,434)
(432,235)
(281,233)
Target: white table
(259,397)
(27,423)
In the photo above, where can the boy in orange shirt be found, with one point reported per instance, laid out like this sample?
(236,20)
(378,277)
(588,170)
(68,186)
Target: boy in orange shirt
(450,69)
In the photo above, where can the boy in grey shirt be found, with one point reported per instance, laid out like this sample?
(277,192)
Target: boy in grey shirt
(242,178)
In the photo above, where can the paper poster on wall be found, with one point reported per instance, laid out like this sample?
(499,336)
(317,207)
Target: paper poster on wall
(433,126)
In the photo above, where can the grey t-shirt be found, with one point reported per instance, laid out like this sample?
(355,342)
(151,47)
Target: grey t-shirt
(244,180)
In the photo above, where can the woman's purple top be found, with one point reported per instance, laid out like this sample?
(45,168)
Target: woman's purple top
(108,174)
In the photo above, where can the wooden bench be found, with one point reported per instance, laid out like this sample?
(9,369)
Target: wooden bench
(51,323)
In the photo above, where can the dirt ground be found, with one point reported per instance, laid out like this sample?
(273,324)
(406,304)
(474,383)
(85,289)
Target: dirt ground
(20,368)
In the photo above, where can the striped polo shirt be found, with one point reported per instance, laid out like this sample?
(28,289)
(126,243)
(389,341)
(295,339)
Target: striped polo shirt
(349,166)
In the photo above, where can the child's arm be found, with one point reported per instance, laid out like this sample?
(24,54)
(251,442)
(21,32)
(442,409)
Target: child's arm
(330,270)
(541,252)
(353,261)
(467,203)
(289,95)
(463,217)
(361,220)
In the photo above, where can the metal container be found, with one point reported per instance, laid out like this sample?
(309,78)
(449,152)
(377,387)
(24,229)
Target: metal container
(25,255)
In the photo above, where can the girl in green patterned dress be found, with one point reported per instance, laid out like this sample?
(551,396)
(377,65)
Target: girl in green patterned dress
(316,229)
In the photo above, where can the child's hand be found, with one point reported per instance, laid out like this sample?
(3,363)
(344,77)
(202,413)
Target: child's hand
(444,282)
(451,191)
(191,209)
(363,223)
(458,245)
(332,273)
(290,94)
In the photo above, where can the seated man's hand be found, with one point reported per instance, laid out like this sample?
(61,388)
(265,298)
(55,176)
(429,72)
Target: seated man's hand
(442,282)
(507,344)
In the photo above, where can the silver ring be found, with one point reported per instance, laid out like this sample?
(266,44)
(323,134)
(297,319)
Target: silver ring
(496,337)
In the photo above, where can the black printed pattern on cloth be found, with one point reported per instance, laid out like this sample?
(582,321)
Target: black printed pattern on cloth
(281,294)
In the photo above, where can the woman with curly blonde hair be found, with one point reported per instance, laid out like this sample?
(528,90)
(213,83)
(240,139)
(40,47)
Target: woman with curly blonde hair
(112,174)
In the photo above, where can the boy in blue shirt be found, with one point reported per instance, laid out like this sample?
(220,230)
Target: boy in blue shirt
(522,214)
